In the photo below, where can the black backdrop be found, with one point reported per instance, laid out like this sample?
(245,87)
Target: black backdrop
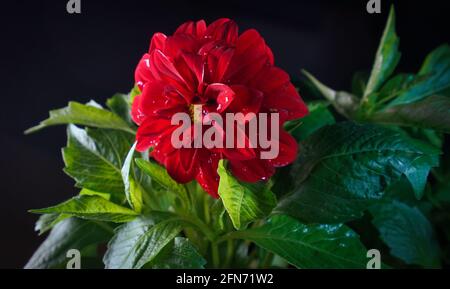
(49,57)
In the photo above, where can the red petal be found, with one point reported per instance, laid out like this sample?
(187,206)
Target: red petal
(182,164)
(163,146)
(136,114)
(235,153)
(191,67)
(142,74)
(223,29)
(222,63)
(193,28)
(181,43)
(218,59)
(249,58)
(222,93)
(163,69)
(287,150)
(246,100)
(158,42)
(279,93)
(159,100)
(149,133)
(251,171)
(207,175)
(269,54)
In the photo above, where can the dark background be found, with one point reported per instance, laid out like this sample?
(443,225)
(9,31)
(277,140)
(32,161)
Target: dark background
(49,57)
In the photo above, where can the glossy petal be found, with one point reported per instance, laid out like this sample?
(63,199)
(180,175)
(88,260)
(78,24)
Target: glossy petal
(158,42)
(207,175)
(164,70)
(224,72)
(287,153)
(196,29)
(182,164)
(251,171)
(221,93)
(246,99)
(142,74)
(280,94)
(150,132)
(223,29)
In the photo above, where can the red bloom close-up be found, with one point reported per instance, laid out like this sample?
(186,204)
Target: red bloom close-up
(224,71)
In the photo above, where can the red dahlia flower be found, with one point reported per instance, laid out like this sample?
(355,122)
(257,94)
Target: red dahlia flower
(225,72)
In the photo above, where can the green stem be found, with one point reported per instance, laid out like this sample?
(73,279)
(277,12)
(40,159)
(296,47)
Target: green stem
(105,227)
(230,253)
(438,175)
(147,200)
(199,224)
(231,236)
(206,208)
(386,99)
(267,262)
(215,254)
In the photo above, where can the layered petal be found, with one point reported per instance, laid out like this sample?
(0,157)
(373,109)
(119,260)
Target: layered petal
(207,175)
(182,164)
(196,29)
(224,72)
(279,93)
(223,29)
(251,171)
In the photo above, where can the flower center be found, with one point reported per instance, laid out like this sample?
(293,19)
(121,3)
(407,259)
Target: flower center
(195,113)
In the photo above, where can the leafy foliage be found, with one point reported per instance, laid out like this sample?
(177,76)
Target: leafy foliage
(407,232)
(139,242)
(83,114)
(378,169)
(94,158)
(179,254)
(244,202)
(310,246)
(386,59)
(345,168)
(91,207)
(71,233)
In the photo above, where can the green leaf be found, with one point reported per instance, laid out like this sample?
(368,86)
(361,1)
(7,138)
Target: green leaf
(133,93)
(395,86)
(91,207)
(139,242)
(309,246)
(83,114)
(359,82)
(433,78)
(47,221)
(345,103)
(217,213)
(94,158)
(120,104)
(88,192)
(318,116)
(432,112)
(158,174)
(133,190)
(244,202)
(387,57)
(69,234)
(344,168)
(407,232)
(178,254)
